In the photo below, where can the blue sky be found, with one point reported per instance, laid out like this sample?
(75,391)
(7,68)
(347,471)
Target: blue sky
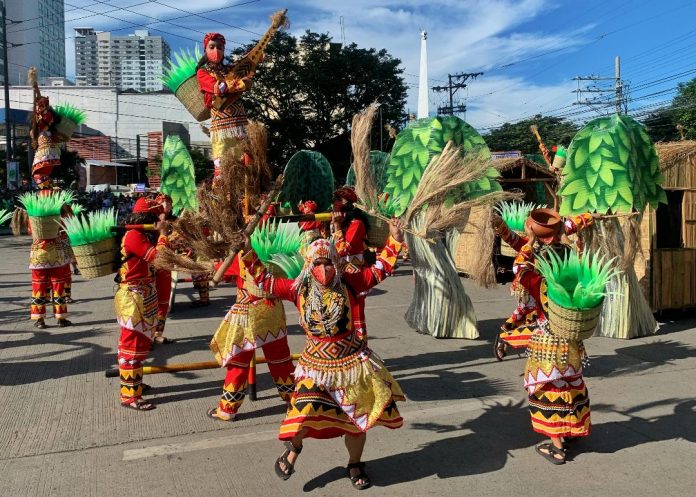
(529,50)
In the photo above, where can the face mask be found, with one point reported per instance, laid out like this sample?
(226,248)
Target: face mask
(214,54)
(323,274)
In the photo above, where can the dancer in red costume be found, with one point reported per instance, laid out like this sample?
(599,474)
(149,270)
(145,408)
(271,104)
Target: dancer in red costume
(135,302)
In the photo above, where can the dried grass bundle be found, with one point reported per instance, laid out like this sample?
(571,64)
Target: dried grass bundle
(365,184)
(168,260)
(482,271)
(20,218)
(445,173)
(279,19)
(258,175)
(675,153)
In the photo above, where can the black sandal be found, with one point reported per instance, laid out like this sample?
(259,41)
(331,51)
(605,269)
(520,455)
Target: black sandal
(360,476)
(283,459)
(62,323)
(499,348)
(162,340)
(40,324)
(212,413)
(551,452)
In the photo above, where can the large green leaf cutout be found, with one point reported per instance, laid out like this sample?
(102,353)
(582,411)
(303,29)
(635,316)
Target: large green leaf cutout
(378,165)
(413,149)
(178,178)
(308,176)
(612,167)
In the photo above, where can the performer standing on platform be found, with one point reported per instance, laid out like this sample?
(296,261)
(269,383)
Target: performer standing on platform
(222,92)
(342,387)
(136,301)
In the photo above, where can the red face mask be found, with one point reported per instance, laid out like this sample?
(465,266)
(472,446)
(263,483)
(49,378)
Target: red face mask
(324,274)
(214,55)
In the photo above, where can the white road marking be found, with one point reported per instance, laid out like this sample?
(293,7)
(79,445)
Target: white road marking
(410,415)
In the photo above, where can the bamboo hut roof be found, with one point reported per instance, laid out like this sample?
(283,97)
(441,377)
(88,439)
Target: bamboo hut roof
(528,169)
(678,164)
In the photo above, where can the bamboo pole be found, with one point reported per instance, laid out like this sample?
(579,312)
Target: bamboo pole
(185,366)
(386,219)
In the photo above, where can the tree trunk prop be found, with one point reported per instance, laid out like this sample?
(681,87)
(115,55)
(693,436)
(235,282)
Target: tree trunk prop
(440,306)
(626,313)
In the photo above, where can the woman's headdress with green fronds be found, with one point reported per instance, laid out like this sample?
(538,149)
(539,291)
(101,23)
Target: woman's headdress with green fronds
(45,205)
(5,215)
(70,112)
(516,213)
(576,281)
(181,68)
(94,227)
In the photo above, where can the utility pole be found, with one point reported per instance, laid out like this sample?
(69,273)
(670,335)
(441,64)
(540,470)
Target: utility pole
(6,78)
(456,82)
(618,84)
(595,86)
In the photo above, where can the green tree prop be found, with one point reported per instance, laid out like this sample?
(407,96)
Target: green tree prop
(177,177)
(440,305)
(612,168)
(307,176)
(378,164)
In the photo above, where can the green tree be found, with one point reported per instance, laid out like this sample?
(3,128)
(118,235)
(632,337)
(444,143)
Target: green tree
(202,165)
(661,126)
(517,136)
(308,89)
(684,108)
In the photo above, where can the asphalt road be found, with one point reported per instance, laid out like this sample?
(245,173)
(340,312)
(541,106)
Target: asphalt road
(467,432)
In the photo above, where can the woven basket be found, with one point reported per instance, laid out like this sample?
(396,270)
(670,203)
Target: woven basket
(275,270)
(189,94)
(44,227)
(377,232)
(65,129)
(507,250)
(573,324)
(96,259)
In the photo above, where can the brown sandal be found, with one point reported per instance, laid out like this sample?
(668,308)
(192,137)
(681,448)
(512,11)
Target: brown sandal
(551,452)
(139,405)
(286,473)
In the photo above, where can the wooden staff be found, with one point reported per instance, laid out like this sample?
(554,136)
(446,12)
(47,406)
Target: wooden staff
(386,219)
(250,227)
(143,227)
(185,366)
(544,151)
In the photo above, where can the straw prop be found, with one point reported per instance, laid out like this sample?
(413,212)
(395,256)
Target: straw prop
(251,226)
(387,219)
(576,281)
(168,260)
(45,205)
(436,193)
(365,185)
(19,220)
(94,227)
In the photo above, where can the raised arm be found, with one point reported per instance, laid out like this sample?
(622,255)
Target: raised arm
(507,235)
(577,223)
(383,267)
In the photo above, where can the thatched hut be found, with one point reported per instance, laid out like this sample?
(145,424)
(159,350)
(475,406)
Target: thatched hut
(518,174)
(667,267)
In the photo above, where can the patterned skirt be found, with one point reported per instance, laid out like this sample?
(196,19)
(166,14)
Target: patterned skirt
(248,326)
(136,307)
(342,388)
(558,400)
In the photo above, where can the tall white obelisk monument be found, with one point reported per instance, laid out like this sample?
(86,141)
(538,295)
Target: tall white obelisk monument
(423,78)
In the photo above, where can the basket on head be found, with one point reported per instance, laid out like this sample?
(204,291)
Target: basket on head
(507,250)
(65,129)
(573,324)
(96,259)
(189,94)
(377,232)
(44,227)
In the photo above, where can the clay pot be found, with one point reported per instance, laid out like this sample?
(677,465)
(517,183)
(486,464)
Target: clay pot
(545,223)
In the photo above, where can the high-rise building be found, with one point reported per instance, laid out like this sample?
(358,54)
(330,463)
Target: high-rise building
(35,38)
(132,62)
